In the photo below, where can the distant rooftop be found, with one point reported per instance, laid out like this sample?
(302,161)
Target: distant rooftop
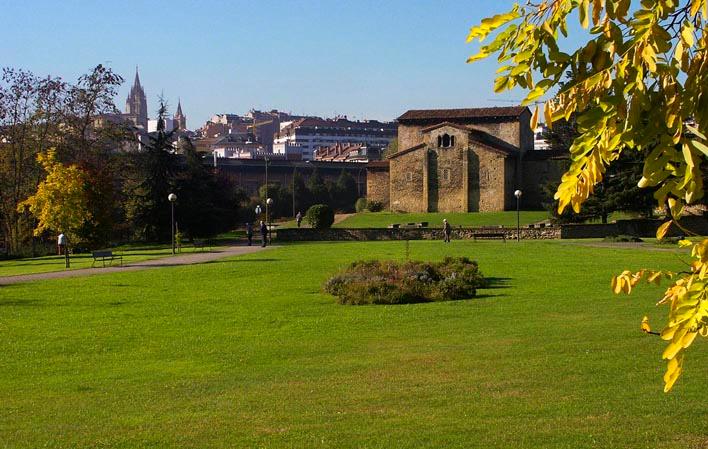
(468,113)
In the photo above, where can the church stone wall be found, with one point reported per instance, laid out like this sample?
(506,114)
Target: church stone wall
(408,182)
(491,182)
(409,136)
(377,186)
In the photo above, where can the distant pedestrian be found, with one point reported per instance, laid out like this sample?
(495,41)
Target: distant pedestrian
(264,233)
(249,233)
(61,244)
(447,230)
(298,218)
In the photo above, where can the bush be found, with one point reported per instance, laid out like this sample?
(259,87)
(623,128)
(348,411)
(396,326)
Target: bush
(320,216)
(360,205)
(375,206)
(389,282)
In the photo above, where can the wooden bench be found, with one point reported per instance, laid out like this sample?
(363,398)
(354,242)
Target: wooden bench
(104,256)
(489,235)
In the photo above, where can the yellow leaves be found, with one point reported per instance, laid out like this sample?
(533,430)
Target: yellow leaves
(583,13)
(687,34)
(490,24)
(60,203)
(687,299)
(673,371)
(663,229)
(534,118)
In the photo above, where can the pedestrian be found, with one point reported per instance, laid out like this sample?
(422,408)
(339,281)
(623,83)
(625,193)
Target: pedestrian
(447,230)
(298,218)
(61,244)
(264,233)
(249,233)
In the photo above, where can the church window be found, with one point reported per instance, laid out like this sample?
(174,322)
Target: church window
(439,141)
(445,140)
(446,174)
(452,141)
(409,176)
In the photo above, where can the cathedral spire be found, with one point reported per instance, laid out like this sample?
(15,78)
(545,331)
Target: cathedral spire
(136,83)
(179,108)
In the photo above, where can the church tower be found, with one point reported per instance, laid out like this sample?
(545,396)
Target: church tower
(179,118)
(136,104)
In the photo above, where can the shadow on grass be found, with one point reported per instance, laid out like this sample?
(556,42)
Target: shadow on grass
(494,282)
(21,303)
(241,261)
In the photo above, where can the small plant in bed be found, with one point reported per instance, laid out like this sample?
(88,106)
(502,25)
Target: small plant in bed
(390,282)
(622,239)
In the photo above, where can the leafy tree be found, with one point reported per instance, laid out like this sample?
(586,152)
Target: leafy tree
(60,203)
(391,149)
(282,199)
(344,192)
(302,195)
(640,85)
(317,188)
(153,179)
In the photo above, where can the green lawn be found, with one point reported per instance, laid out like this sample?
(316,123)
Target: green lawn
(247,352)
(383,219)
(130,253)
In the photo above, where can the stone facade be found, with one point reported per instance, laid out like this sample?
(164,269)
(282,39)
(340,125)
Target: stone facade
(463,160)
(377,182)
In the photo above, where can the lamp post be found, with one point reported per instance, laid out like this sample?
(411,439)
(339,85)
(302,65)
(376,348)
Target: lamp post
(517,194)
(269,202)
(172,198)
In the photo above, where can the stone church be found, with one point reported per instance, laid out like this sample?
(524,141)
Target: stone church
(463,160)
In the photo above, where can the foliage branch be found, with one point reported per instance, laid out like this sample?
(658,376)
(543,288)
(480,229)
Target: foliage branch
(639,85)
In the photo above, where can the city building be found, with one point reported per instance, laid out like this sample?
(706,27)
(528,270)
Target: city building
(308,134)
(539,138)
(346,152)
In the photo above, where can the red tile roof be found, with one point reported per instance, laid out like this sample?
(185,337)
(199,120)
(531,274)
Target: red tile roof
(470,113)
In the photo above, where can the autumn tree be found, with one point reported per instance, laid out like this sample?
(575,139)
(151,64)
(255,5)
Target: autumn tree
(640,84)
(60,204)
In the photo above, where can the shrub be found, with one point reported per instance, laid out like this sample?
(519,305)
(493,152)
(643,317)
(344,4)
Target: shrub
(390,282)
(360,205)
(375,206)
(320,216)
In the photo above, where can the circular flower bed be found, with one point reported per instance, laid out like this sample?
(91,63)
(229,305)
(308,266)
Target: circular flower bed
(390,282)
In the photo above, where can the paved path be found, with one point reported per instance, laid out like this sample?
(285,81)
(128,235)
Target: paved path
(172,261)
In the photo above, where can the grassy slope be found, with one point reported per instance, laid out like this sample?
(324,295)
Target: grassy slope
(383,219)
(248,353)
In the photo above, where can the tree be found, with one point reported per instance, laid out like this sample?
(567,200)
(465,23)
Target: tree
(153,180)
(60,203)
(317,189)
(301,194)
(344,192)
(640,84)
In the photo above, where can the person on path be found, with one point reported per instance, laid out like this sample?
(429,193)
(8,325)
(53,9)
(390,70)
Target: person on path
(264,233)
(447,230)
(249,233)
(298,218)
(61,244)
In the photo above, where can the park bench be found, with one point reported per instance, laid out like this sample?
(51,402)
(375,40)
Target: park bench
(489,235)
(104,256)
(394,226)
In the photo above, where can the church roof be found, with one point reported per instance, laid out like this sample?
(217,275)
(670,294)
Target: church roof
(406,151)
(492,142)
(509,112)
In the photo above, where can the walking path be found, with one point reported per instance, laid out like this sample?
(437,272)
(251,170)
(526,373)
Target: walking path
(173,261)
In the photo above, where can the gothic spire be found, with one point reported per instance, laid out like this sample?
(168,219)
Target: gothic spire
(179,108)
(136,83)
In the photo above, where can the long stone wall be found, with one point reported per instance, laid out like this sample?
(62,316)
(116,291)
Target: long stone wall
(369,234)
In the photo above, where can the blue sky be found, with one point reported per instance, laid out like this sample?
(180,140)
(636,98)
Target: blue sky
(365,59)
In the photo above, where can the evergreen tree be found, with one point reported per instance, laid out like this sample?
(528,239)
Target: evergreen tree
(153,180)
(344,192)
(318,193)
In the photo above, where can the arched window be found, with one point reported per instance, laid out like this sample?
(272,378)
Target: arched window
(445,140)
(439,141)
(452,141)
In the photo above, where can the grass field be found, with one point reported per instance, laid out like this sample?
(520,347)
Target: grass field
(131,254)
(383,219)
(248,352)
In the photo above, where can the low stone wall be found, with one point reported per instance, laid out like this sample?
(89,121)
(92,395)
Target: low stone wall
(368,234)
(641,228)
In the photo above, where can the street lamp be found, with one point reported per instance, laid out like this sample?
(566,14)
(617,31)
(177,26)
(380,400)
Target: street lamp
(269,202)
(172,198)
(517,194)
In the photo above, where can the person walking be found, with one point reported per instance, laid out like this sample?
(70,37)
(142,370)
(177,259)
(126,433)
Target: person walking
(61,244)
(447,230)
(264,233)
(298,218)
(249,233)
